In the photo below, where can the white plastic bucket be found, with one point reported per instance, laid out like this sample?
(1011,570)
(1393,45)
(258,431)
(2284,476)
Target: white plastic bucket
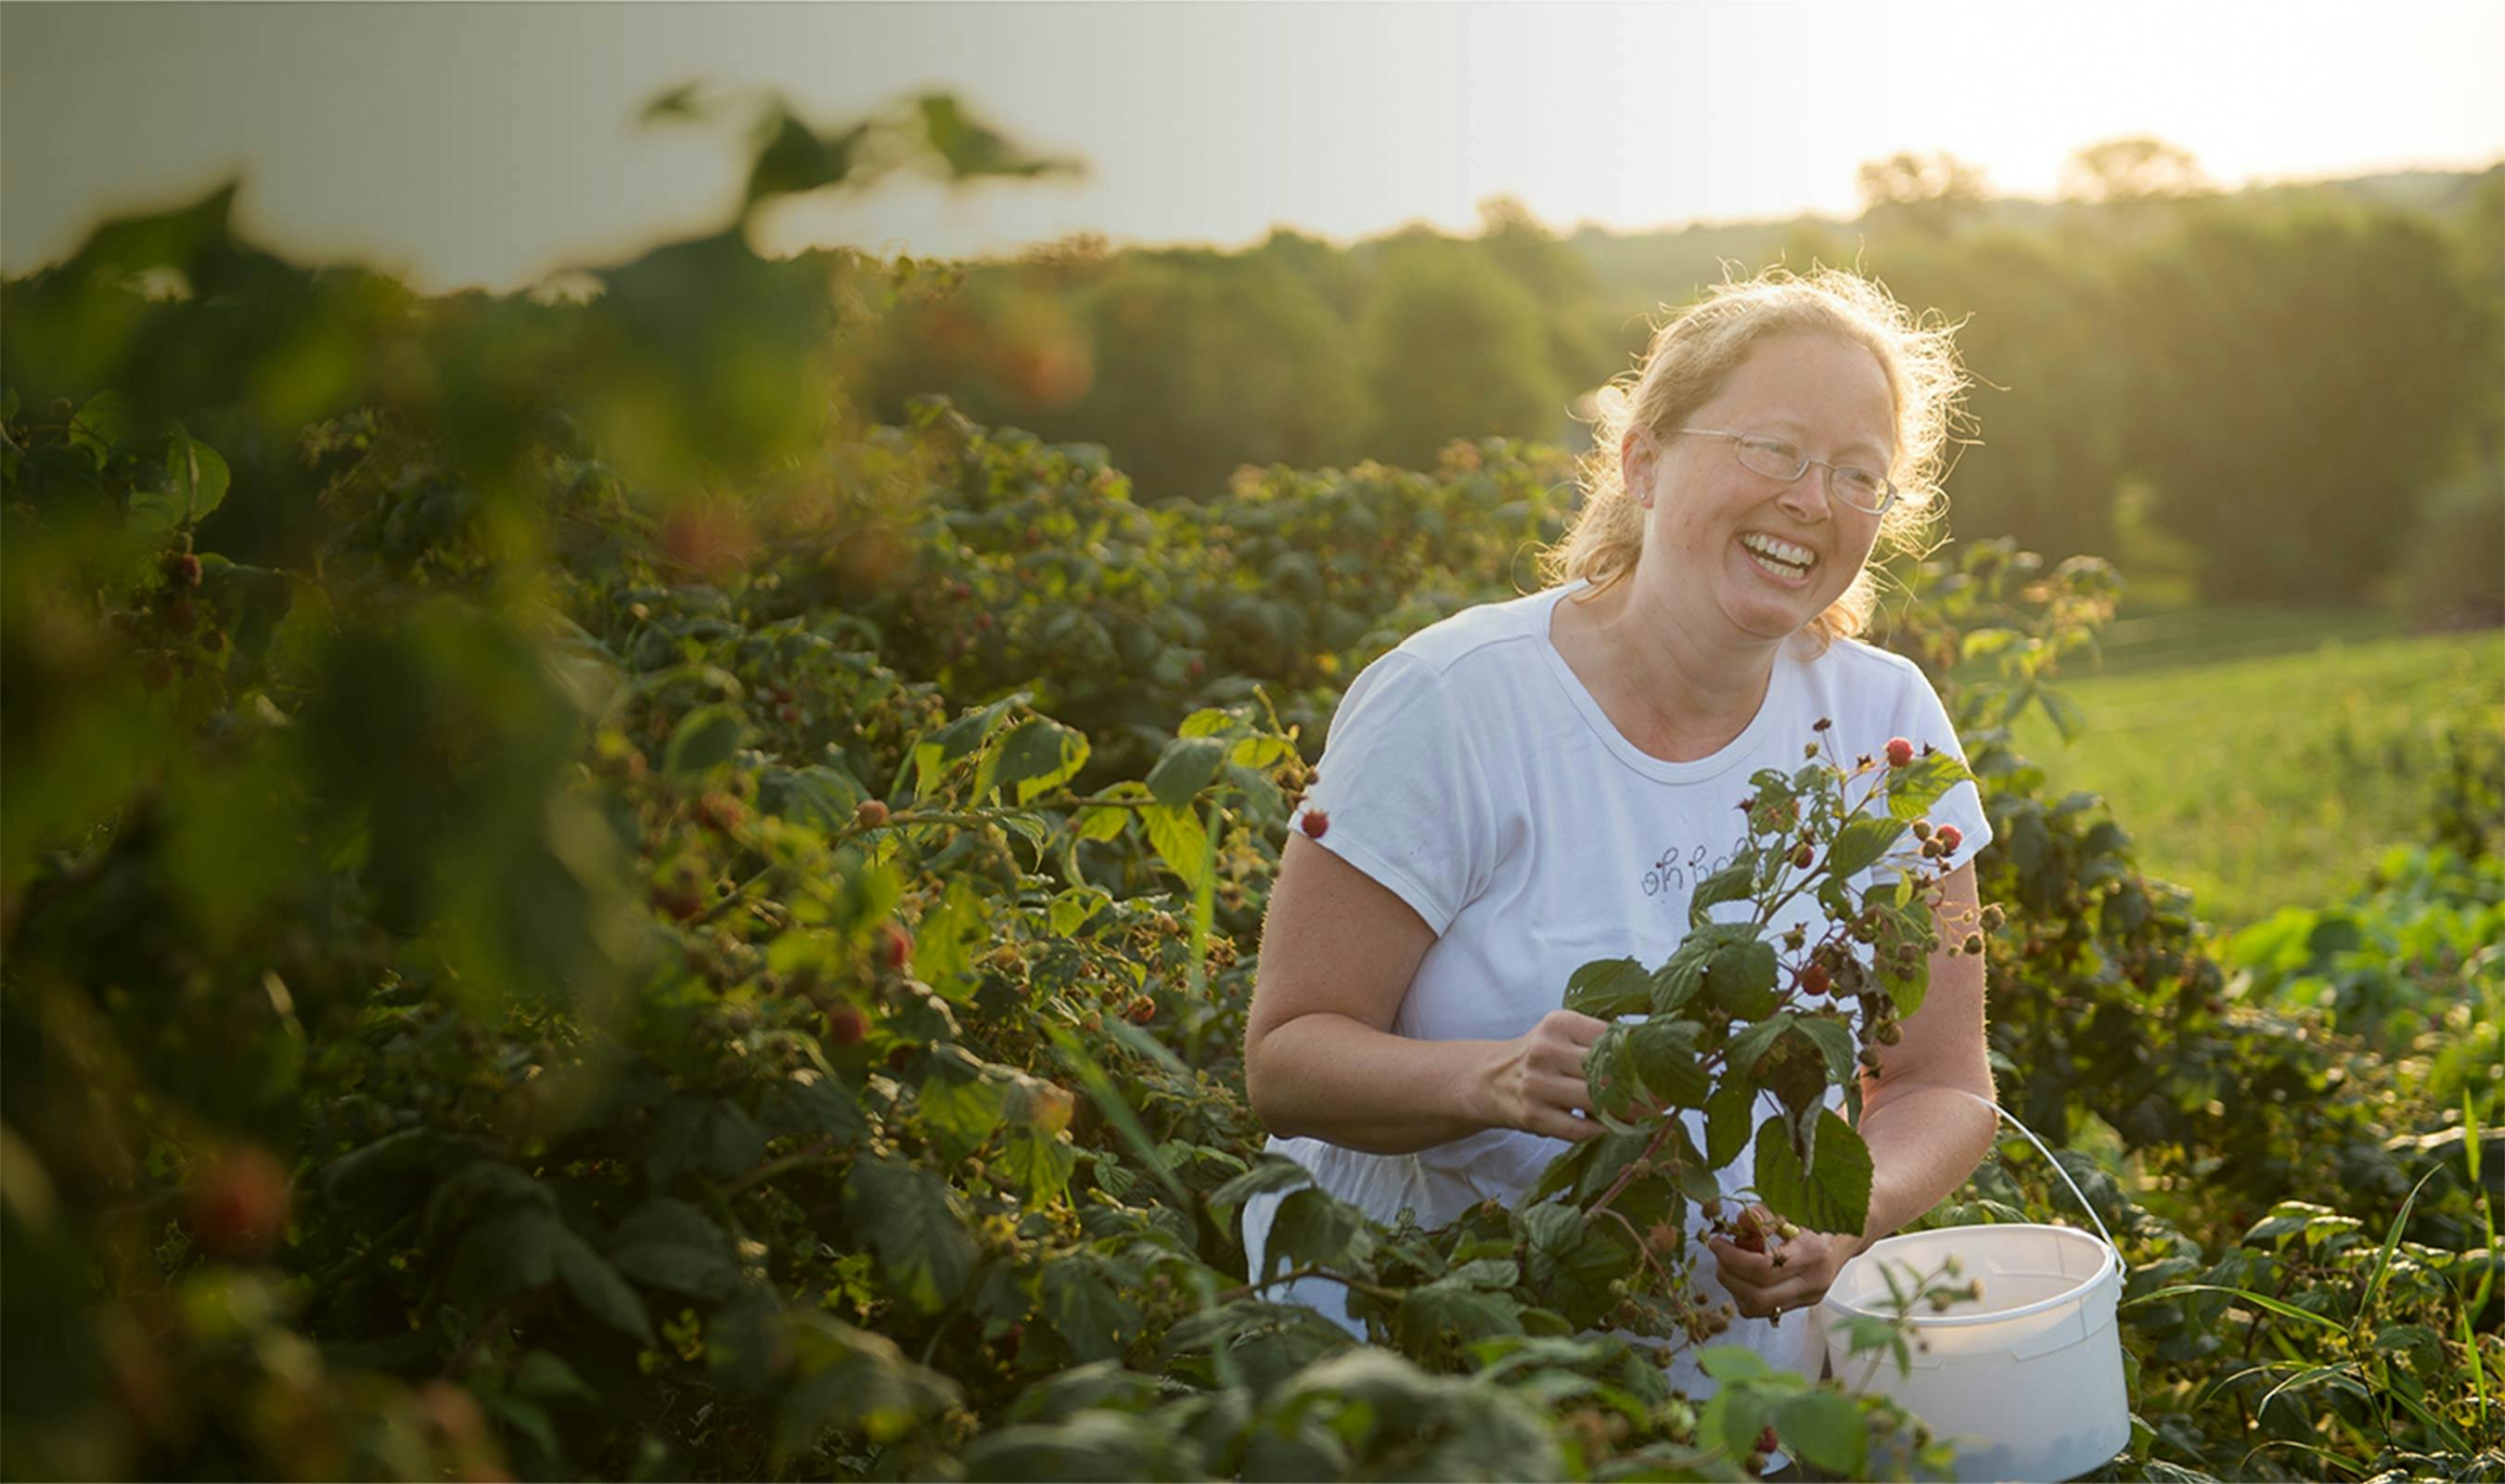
(2027,1382)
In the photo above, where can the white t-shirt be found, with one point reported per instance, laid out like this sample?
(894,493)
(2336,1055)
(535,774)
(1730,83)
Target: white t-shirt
(1470,771)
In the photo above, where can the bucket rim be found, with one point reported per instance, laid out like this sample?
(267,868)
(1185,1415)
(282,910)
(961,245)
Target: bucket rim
(2112,1265)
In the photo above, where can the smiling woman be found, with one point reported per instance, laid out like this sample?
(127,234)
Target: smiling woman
(1534,784)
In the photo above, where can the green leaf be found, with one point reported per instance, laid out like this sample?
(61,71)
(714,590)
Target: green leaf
(2064,714)
(1269,1173)
(960,1113)
(1040,1163)
(711,1134)
(967,733)
(1468,1311)
(1834,1043)
(1179,840)
(1833,1195)
(813,1103)
(1913,788)
(1088,1313)
(1609,1077)
(1571,1263)
(669,1244)
(1185,769)
(1731,1364)
(195,481)
(1105,822)
(1982,642)
(527,1418)
(510,1248)
(1664,1053)
(1608,988)
(1313,1227)
(1117,1111)
(1565,1170)
(1210,721)
(1742,1051)
(1729,884)
(704,739)
(1741,978)
(596,1286)
(795,157)
(912,1221)
(820,796)
(1726,1120)
(1826,1428)
(1038,755)
(196,476)
(105,419)
(545,1375)
(967,148)
(1861,844)
(1071,909)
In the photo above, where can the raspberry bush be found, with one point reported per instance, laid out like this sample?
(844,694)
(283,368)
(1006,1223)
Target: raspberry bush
(546,934)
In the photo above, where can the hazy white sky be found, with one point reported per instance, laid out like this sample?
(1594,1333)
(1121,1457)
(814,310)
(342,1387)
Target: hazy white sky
(491,143)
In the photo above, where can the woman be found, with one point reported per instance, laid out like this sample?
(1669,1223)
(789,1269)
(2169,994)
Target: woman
(1536,783)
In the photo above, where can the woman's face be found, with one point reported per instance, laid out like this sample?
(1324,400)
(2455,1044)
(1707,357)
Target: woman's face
(1748,558)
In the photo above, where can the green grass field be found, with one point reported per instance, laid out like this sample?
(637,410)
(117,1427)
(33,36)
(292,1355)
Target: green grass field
(2265,758)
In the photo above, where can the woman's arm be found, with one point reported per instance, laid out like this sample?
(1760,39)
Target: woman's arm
(1339,950)
(1924,1139)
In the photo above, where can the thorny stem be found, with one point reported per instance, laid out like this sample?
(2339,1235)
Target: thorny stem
(807,1154)
(1371,1291)
(737,894)
(1626,1176)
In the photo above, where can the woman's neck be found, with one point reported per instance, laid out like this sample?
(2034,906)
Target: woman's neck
(1674,694)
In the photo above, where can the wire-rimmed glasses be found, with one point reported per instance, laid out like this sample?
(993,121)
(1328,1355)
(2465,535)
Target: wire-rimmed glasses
(1784,461)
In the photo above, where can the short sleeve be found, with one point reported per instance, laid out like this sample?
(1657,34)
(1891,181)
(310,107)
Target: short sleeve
(1921,720)
(1401,791)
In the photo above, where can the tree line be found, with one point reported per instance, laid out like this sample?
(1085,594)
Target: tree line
(2295,390)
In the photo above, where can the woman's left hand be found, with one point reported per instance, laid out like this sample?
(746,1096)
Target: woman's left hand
(1761,1289)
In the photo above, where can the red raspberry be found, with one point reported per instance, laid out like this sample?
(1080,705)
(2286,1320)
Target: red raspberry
(719,811)
(1900,752)
(183,568)
(678,902)
(237,1203)
(846,1026)
(1315,822)
(1948,835)
(895,946)
(1766,1441)
(1815,980)
(1804,856)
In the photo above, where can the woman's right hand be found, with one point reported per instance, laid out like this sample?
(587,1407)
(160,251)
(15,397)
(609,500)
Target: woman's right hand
(1537,1083)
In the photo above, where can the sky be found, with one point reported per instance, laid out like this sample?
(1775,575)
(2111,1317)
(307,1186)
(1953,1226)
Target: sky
(492,145)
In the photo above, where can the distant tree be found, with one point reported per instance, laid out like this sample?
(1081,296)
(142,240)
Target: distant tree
(1204,362)
(1453,348)
(1560,279)
(2035,329)
(2132,169)
(1930,192)
(2302,381)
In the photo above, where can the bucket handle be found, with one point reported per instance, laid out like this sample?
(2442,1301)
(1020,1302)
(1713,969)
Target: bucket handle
(2111,1245)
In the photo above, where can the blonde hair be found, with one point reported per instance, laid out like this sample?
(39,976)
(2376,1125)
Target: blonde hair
(1692,355)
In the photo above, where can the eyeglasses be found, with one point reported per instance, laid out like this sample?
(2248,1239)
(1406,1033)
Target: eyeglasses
(1783,461)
